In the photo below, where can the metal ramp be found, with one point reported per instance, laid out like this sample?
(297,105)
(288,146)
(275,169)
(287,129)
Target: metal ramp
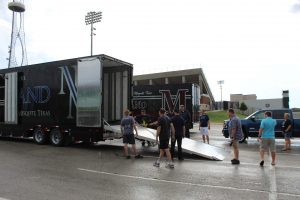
(188,145)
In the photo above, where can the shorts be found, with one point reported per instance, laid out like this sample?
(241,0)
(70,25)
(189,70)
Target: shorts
(204,130)
(164,144)
(128,139)
(287,135)
(267,143)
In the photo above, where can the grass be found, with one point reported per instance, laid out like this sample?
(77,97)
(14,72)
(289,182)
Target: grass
(220,116)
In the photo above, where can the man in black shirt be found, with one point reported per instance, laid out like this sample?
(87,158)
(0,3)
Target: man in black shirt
(163,133)
(186,115)
(287,131)
(179,127)
(143,119)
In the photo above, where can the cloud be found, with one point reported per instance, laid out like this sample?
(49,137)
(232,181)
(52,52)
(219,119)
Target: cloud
(5,25)
(296,7)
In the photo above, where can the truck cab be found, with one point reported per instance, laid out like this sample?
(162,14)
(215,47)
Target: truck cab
(251,124)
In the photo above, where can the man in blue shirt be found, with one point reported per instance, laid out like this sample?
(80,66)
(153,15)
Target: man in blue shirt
(266,137)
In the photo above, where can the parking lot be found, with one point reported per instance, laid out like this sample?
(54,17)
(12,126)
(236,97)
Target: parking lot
(30,171)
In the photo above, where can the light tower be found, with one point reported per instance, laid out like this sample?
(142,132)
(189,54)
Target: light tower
(17,34)
(90,19)
(221,82)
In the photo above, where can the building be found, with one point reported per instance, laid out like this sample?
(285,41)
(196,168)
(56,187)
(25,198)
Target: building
(241,97)
(254,104)
(195,76)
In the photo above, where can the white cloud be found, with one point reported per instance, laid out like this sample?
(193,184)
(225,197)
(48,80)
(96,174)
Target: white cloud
(296,7)
(239,41)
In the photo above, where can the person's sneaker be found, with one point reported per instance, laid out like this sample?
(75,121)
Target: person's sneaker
(235,162)
(262,163)
(170,165)
(139,156)
(128,157)
(156,164)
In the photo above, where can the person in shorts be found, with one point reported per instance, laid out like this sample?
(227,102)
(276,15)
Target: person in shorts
(287,131)
(204,126)
(163,133)
(236,134)
(127,126)
(266,137)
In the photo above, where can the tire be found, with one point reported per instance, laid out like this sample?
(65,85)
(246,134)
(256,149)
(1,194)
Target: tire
(39,136)
(56,137)
(245,134)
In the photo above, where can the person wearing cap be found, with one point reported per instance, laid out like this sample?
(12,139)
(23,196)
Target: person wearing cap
(204,126)
(179,127)
(127,126)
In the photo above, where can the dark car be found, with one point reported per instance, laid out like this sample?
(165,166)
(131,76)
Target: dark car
(251,124)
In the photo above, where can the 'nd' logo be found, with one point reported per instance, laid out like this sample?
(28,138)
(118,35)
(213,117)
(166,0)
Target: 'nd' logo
(66,75)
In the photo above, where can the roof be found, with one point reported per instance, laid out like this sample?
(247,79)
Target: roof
(193,75)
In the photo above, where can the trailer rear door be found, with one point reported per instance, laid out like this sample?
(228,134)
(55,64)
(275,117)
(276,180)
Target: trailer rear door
(89,88)
(10,98)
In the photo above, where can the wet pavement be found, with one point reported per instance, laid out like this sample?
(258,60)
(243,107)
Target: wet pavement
(30,171)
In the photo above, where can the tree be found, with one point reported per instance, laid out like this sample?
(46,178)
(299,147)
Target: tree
(243,107)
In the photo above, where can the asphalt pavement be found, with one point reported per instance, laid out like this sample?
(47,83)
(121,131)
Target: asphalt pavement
(100,171)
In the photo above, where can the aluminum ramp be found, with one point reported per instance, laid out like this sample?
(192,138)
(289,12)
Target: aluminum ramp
(188,145)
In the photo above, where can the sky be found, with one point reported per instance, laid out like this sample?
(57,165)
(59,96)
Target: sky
(254,46)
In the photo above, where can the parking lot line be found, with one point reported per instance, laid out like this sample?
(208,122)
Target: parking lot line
(257,164)
(273,184)
(226,162)
(168,181)
(272,193)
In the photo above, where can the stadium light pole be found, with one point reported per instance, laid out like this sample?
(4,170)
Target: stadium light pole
(221,82)
(90,19)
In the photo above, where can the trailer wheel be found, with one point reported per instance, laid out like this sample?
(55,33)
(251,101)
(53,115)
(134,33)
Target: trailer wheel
(56,137)
(39,136)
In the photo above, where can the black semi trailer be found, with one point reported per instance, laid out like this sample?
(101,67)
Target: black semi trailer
(153,97)
(64,101)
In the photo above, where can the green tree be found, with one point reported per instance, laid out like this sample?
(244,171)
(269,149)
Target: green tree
(243,107)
